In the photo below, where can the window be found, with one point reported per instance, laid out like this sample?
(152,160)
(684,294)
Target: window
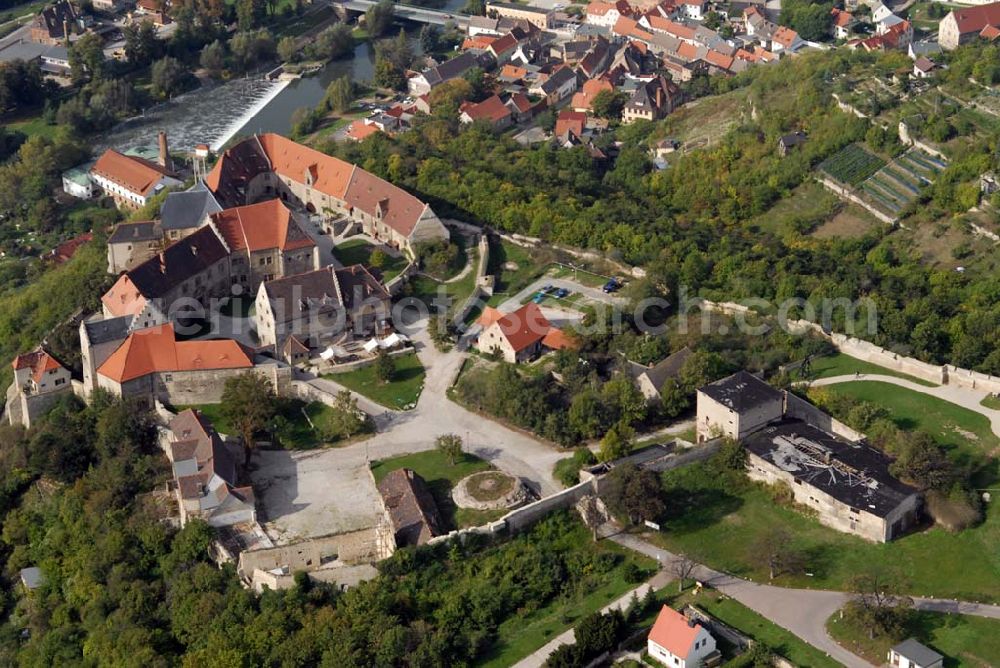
(60,381)
(167,377)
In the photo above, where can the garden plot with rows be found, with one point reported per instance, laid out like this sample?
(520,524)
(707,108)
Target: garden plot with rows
(898,183)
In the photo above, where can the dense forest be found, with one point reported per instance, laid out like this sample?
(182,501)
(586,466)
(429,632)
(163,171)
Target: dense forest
(696,223)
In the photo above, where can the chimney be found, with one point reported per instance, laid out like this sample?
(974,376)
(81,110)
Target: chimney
(164,153)
(163,263)
(659,97)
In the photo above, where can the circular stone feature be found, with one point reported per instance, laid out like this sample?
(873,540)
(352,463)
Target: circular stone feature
(488,490)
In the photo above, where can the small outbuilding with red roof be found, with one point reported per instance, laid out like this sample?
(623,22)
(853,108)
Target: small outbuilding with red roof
(679,642)
(520,335)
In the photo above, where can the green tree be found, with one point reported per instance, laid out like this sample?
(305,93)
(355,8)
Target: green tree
(213,58)
(385,367)
(169,76)
(633,494)
(445,99)
(379,18)
(248,403)
(608,104)
(249,14)
(450,445)
(339,98)
(86,57)
(347,419)
(387,75)
(288,49)
(335,42)
(142,46)
(617,442)
(773,549)
(378,258)
(430,38)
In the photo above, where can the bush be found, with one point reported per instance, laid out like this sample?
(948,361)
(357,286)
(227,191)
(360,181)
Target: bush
(567,471)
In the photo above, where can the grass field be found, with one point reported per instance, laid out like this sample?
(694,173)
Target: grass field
(297,433)
(359,251)
(991,402)
(965,641)
(401,392)
(431,291)
(714,519)
(441,476)
(744,619)
(845,365)
(961,430)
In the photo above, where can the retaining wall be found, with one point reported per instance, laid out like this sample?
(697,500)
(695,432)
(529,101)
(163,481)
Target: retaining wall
(805,411)
(478,292)
(867,351)
(848,194)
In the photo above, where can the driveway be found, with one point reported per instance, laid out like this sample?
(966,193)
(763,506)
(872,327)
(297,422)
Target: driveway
(801,611)
(326,491)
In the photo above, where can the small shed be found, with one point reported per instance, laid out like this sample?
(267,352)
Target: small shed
(32,578)
(912,654)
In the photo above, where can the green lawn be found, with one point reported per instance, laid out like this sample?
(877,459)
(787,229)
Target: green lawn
(32,126)
(514,267)
(297,434)
(845,365)
(441,476)
(963,431)
(991,402)
(744,619)
(965,641)
(581,276)
(359,251)
(714,517)
(431,291)
(401,392)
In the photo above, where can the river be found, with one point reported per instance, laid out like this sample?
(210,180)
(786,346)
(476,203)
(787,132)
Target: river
(212,115)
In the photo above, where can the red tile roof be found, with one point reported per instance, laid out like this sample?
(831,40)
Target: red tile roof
(156,350)
(520,102)
(489,316)
(990,32)
(504,44)
(974,19)
(841,18)
(67,249)
(661,24)
(478,42)
(123,298)
(513,72)
(491,109)
(38,361)
(524,327)
(358,130)
(261,226)
(556,339)
(591,87)
(134,174)
(291,159)
(785,36)
(672,632)
(573,121)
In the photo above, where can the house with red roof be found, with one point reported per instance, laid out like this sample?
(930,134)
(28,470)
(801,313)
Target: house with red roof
(521,107)
(569,121)
(842,23)
(964,24)
(269,166)
(492,111)
(678,642)
(607,13)
(584,99)
(359,130)
(153,365)
(130,180)
(520,335)
(39,379)
(265,242)
(785,40)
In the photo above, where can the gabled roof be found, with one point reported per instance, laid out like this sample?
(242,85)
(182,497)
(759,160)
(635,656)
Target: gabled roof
(924,64)
(502,45)
(132,173)
(156,350)
(785,36)
(159,274)
(524,327)
(917,652)
(491,109)
(411,507)
(261,226)
(358,130)
(989,32)
(570,121)
(672,632)
(659,373)
(325,289)
(188,209)
(974,19)
(841,19)
(520,102)
(39,361)
(558,79)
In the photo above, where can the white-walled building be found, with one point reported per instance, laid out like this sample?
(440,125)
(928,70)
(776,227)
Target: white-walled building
(912,654)
(676,642)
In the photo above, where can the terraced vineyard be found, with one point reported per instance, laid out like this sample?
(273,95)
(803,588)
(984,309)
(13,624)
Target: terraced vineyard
(895,185)
(851,165)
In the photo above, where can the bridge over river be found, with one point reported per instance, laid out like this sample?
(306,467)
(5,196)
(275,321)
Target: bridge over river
(412,13)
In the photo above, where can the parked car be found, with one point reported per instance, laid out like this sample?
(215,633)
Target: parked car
(538,297)
(562,293)
(546,289)
(611,286)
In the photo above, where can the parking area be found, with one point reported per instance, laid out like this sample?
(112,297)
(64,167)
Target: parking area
(316,493)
